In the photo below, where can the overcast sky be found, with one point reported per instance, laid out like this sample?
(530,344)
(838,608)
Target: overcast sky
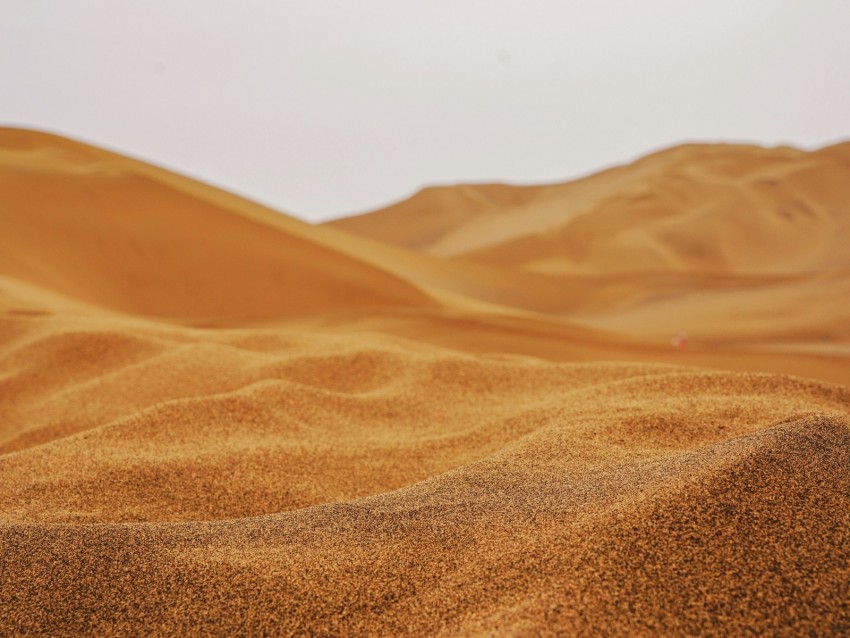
(323,108)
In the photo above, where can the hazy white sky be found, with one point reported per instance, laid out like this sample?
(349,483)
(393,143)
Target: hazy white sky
(321,108)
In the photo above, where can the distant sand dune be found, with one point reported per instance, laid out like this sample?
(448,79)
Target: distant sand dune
(460,415)
(736,244)
(689,208)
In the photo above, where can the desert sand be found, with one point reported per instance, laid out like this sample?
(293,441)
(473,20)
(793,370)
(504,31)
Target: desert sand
(463,414)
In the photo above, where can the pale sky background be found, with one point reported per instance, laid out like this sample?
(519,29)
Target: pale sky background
(323,108)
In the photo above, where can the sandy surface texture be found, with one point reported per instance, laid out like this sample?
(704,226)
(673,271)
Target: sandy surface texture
(615,406)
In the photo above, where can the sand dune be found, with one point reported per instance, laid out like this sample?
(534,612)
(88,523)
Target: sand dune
(126,236)
(460,415)
(709,208)
(734,244)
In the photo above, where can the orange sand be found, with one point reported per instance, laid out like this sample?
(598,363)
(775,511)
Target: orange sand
(460,415)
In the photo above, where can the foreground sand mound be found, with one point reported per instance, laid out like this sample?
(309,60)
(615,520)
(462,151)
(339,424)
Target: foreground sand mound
(281,481)
(338,495)
(216,421)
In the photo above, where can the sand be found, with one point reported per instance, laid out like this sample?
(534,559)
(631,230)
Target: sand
(459,415)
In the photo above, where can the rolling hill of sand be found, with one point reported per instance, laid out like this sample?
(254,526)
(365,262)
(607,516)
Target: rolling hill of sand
(459,415)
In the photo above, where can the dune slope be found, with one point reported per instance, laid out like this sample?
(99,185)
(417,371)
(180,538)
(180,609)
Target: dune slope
(217,420)
(127,236)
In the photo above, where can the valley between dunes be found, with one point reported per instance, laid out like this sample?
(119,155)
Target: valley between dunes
(459,415)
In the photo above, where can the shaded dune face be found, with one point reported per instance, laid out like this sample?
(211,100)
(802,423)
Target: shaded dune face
(215,419)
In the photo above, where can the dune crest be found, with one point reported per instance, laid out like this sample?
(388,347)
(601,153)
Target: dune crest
(460,415)
(687,208)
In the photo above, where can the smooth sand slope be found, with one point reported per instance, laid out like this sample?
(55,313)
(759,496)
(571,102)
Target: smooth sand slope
(215,419)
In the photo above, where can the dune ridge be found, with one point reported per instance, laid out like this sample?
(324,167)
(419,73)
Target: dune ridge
(676,209)
(216,419)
